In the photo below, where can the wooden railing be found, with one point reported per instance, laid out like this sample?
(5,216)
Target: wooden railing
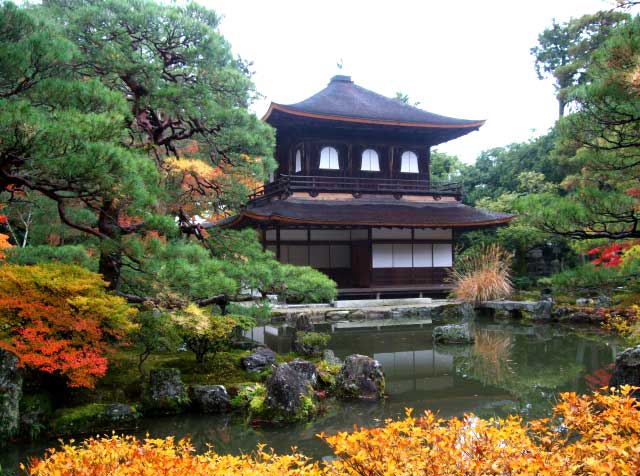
(287,184)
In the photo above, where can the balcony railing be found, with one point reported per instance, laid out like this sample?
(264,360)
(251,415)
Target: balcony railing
(287,184)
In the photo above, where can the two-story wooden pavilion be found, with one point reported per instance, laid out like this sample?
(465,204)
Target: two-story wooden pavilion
(352,195)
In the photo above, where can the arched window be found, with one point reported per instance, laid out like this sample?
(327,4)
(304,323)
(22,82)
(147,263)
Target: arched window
(370,162)
(409,162)
(329,158)
(298,164)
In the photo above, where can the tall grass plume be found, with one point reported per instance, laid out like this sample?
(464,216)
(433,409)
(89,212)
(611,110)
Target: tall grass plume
(483,276)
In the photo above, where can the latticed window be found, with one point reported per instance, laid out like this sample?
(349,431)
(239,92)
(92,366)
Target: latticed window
(370,161)
(409,162)
(329,158)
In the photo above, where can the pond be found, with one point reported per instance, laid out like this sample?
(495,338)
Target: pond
(510,368)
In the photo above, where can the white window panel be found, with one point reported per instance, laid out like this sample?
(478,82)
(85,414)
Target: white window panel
(357,235)
(329,158)
(391,233)
(298,164)
(402,256)
(422,256)
(382,256)
(370,161)
(442,255)
(293,235)
(341,256)
(433,234)
(299,255)
(326,235)
(409,162)
(319,256)
(271,235)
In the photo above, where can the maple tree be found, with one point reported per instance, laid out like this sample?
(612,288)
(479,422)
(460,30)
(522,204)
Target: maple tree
(589,434)
(59,319)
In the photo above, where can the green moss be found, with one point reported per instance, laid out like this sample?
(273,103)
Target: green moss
(311,343)
(246,394)
(308,408)
(89,418)
(327,374)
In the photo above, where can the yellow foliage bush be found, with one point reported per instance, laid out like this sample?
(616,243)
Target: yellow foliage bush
(588,435)
(483,276)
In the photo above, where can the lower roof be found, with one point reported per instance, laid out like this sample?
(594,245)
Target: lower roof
(358,212)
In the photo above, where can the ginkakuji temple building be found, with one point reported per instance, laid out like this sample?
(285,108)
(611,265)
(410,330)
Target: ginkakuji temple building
(352,195)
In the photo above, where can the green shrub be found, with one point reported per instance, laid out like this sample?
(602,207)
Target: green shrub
(303,284)
(67,254)
(260,312)
(588,278)
(311,343)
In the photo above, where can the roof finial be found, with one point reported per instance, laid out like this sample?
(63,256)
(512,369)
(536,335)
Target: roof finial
(339,64)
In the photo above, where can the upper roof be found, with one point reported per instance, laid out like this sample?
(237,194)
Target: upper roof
(355,212)
(343,100)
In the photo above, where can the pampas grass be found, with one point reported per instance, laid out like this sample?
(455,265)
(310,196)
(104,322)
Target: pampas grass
(483,276)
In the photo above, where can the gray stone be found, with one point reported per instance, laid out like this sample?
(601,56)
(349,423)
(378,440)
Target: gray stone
(357,315)
(453,334)
(209,398)
(301,322)
(165,394)
(603,301)
(336,315)
(360,377)
(120,413)
(259,360)
(537,310)
(10,394)
(330,357)
(307,370)
(627,370)
(289,395)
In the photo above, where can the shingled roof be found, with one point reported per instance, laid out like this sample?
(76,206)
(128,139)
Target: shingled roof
(382,212)
(344,100)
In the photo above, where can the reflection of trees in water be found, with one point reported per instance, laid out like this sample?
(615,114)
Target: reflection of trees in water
(490,361)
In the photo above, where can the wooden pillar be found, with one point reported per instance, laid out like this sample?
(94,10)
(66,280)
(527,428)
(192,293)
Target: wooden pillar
(428,165)
(349,160)
(391,162)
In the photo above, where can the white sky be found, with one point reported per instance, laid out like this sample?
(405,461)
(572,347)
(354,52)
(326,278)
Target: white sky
(464,58)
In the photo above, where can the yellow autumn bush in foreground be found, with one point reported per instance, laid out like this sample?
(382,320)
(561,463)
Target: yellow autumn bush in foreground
(588,435)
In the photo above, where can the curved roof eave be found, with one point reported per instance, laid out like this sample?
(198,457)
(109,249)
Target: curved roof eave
(362,120)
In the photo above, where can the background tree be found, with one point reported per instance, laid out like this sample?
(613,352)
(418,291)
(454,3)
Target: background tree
(601,199)
(564,50)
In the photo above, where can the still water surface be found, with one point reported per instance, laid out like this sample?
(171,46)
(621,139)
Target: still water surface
(510,368)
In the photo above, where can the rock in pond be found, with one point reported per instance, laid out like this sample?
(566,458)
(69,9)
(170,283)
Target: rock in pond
(165,393)
(453,334)
(357,315)
(10,394)
(627,370)
(259,360)
(306,369)
(301,322)
(93,418)
(330,357)
(289,395)
(209,398)
(336,315)
(360,377)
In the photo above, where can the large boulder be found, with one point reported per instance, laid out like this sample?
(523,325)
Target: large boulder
(165,393)
(360,377)
(330,357)
(289,395)
(93,418)
(10,394)
(209,398)
(453,334)
(627,370)
(307,370)
(259,360)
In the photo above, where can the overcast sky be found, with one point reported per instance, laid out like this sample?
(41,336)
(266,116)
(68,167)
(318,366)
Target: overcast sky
(464,58)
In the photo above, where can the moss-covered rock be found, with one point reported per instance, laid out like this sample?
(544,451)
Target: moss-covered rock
(93,418)
(165,394)
(311,343)
(453,334)
(360,377)
(10,394)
